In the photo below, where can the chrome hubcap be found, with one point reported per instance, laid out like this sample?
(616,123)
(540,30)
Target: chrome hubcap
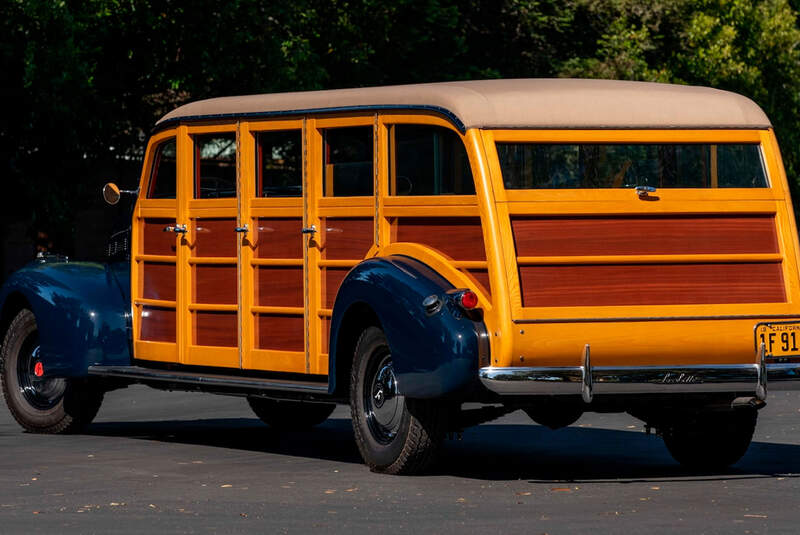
(383,406)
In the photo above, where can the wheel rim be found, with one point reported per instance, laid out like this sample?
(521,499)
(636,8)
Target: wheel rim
(383,406)
(40,392)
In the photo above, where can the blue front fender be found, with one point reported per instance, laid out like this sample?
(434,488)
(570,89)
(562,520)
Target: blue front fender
(82,311)
(434,355)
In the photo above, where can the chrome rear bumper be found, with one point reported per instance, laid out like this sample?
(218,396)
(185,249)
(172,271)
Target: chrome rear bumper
(588,381)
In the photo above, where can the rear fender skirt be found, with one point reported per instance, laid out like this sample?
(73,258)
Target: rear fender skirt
(82,311)
(434,354)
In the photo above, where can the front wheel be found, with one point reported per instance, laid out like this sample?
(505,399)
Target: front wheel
(395,435)
(711,441)
(38,403)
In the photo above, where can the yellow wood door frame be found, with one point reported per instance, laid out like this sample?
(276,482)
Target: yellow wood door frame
(155,209)
(252,207)
(189,210)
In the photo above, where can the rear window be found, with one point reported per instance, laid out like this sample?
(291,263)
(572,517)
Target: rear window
(591,166)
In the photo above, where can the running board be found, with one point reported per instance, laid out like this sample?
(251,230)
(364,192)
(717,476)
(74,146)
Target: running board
(140,374)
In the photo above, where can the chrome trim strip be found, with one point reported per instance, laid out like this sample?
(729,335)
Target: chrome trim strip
(139,373)
(655,318)
(640,379)
(784,376)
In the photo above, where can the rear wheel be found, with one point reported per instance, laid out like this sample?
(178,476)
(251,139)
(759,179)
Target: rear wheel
(711,440)
(290,415)
(395,435)
(38,403)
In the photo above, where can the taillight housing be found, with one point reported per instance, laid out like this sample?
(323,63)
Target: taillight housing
(467,299)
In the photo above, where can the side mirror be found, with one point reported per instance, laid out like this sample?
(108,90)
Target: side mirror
(111,193)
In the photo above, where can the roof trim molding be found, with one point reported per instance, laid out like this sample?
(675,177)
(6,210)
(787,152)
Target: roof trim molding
(449,115)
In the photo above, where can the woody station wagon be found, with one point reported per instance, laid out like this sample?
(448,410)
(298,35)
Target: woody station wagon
(555,246)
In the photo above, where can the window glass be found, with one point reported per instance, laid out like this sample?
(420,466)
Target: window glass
(279,164)
(164,171)
(348,162)
(544,166)
(215,166)
(429,160)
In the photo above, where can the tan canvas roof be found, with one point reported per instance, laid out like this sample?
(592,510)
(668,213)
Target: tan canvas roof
(523,103)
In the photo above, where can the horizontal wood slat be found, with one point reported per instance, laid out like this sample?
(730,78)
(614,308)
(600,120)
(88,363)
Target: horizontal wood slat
(279,286)
(157,324)
(331,280)
(158,281)
(279,238)
(155,241)
(218,329)
(345,238)
(215,284)
(281,332)
(645,235)
(215,237)
(651,284)
(459,238)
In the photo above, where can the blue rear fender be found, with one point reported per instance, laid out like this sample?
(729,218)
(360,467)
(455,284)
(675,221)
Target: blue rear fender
(82,311)
(434,355)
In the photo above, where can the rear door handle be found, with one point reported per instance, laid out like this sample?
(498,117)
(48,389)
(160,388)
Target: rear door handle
(309,230)
(177,229)
(643,191)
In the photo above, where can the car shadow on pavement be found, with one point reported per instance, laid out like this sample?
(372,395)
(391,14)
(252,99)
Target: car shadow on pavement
(488,452)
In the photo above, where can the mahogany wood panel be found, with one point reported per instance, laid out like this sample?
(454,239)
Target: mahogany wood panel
(157,324)
(215,237)
(279,286)
(219,329)
(158,281)
(215,285)
(346,239)
(154,240)
(331,280)
(279,238)
(482,276)
(284,333)
(629,235)
(460,238)
(651,284)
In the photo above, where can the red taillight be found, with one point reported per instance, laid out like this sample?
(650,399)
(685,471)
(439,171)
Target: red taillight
(468,300)
(38,369)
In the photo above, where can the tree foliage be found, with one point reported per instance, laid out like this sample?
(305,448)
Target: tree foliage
(84,81)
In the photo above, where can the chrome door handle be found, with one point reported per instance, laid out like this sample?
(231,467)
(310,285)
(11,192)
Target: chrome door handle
(309,230)
(643,191)
(177,229)
(244,229)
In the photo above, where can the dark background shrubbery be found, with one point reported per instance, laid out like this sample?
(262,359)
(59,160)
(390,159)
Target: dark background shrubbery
(84,81)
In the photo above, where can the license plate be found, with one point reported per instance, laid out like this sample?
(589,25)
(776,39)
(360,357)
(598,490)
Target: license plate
(781,339)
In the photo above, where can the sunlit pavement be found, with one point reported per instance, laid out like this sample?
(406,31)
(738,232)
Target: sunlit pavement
(189,463)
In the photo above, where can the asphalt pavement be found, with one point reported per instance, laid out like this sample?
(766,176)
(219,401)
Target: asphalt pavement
(158,462)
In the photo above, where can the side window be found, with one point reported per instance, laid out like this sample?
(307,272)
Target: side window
(279,164)
(164,171)
(428,160)
(347,162)
(214,166)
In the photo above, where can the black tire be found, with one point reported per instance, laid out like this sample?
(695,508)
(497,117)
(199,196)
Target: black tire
(290,415)
(41,405)
(713,440)
(395,435)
